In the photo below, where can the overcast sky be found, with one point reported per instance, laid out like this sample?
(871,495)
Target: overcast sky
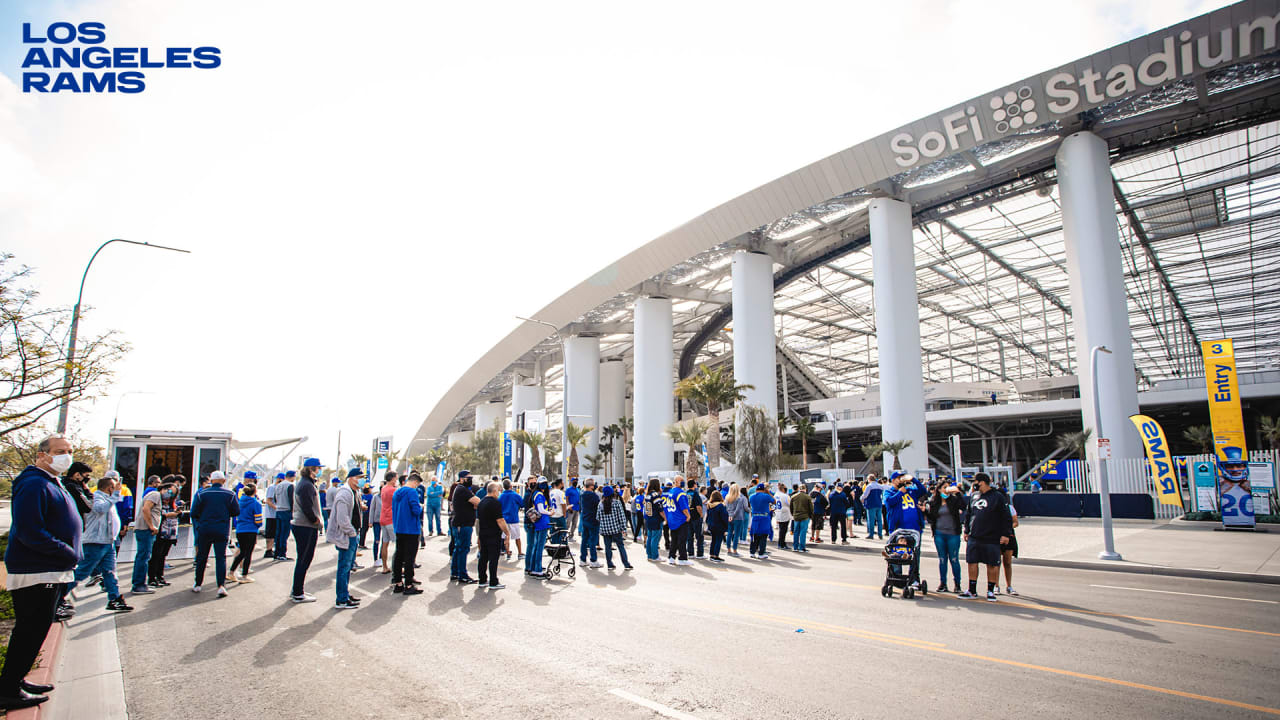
(372,191)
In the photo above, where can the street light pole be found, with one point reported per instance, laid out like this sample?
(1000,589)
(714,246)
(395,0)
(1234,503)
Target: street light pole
(835,440)
(121,400)
(75,326)
(564,396)
(1104,485)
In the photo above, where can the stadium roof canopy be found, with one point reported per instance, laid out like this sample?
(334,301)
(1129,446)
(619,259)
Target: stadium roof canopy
(1195,152)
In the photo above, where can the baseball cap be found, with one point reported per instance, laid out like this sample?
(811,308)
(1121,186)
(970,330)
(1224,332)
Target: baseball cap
(311,462)
(353,472)
(463,474)
(279,476)
(250,475)
(291,473)
(217,475)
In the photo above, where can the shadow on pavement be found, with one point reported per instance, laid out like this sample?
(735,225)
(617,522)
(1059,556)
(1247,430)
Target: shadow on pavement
(1040,612)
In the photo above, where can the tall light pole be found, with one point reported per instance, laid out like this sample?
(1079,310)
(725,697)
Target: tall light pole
(1104,485)
(75,325)
(564,396)
(121,400)
(835,439)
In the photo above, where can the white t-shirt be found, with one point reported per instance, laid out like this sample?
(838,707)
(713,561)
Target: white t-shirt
(558,503)
(782,509)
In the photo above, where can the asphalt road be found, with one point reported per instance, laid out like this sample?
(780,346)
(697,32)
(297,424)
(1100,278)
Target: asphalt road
(705,642)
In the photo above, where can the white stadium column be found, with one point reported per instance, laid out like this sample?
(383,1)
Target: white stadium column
(527,398)
(654,386)
(613,393)
(1099,310)
(754,348)
(893,265)
(487,414)
(582,390)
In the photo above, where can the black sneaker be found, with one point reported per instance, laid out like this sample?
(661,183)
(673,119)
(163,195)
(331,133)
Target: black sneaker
(466,581)
(118,605)
(966,595)
(412,591)
(21,700)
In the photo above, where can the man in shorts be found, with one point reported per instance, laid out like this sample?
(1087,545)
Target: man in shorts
(988,526)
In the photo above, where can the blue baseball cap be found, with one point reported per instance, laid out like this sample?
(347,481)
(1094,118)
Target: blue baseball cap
(250,475)
(311,462)
(608,490)
(354,472)
(280,476)
(896,474)
(291,473)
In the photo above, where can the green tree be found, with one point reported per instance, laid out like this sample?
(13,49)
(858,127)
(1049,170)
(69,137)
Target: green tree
(535,441)
(805,429)
(1201,436)
(893,448)
(487,445)
(755,448)
(593,463)
(717,390)
(693,434)
(784,422)
(1075,444)
(828,455)
(18,450)
(577,435)
(1270,430)
(33,359)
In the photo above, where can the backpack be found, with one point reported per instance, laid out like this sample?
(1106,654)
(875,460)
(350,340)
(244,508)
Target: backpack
(531,514)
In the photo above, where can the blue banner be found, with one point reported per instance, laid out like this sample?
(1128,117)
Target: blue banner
(506,454)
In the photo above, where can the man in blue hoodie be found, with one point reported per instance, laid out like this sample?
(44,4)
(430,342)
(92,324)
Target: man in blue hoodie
(44,545)
(903,503)
(406,515)
(512,503)
(676,510)
(212,509)
(873,501)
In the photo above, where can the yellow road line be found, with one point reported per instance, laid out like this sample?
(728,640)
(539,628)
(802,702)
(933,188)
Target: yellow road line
(1033,606)
(919,644)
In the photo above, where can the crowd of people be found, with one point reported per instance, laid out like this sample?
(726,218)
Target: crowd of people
(67,529)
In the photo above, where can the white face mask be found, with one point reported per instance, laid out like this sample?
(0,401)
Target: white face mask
(61,463)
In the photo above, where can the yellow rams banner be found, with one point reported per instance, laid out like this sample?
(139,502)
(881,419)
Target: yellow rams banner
(1224,396)
(1160,459)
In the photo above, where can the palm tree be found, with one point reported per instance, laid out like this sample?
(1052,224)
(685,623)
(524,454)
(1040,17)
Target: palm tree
(577,435)
(805,429)
(611,432)
(419,462)
(716,390)
(754,449)
(359,460)
(593,463)
(1075,443)
(535,441)
(894,448)
(828,455)
(692,434)
(550,448)
(784,422)
(1201,436)
(1270,429)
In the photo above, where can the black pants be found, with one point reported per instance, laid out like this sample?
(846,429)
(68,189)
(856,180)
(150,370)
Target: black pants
(782,533)
(304,542)
(218,543)
(837,523)
(679,542)
(406,554)
(759,543)
(364,530)
(490,551)
(246,541)
(695,536)
(33,609)
(666,537)
(159,551)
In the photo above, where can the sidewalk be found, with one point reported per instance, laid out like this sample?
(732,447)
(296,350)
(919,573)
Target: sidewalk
(87,671)
(1160,547)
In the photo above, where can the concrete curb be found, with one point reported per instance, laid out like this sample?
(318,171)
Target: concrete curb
(1118,567)
(43,675)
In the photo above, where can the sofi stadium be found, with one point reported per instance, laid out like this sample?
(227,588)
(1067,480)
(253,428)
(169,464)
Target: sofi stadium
(952,277)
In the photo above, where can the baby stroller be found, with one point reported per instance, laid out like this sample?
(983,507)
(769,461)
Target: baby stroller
(560,554)
(901,551)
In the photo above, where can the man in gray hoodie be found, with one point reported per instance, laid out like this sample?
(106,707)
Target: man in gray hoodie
(101,527)
(306,523)
(342,533)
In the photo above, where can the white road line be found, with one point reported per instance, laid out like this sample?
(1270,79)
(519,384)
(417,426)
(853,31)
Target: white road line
(656,707)
(1171,592)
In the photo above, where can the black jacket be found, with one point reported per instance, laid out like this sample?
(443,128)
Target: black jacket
(955,504)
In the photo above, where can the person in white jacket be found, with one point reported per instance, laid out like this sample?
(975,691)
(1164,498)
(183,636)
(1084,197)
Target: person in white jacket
(342,533)
(782,513)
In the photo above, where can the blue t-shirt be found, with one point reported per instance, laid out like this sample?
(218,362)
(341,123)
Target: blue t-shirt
(674,506)
(511,505)
(544,520)
(573,496)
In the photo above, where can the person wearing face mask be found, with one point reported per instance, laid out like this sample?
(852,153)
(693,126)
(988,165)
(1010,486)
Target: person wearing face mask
(168,534)
(44,547)
(306,524)
(98,551)
(144,535)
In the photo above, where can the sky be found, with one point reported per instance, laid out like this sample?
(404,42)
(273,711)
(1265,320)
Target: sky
(371,192)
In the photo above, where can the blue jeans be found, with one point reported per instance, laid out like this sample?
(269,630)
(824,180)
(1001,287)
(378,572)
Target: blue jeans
(143,539)
(799,534)
(99,559)
(735,534)
(559,524)
(346,558)
(433,519)
(875,526)
(590,536)
(282,535)
(948,547)
(377,535)
(743,526)
(652,539)
(609,542)
(717,539)
(461,546)
(537,542)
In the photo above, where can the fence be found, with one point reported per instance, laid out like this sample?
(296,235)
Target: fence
(1133,475)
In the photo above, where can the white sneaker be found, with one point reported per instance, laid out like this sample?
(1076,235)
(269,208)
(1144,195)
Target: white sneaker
(684,562)
(763,557)
(597,565)
(244,579)
(991,597)
(303,598)
(1010,591)
(195,588)
(754,556)
(222,591)
(700,557)
(671,561)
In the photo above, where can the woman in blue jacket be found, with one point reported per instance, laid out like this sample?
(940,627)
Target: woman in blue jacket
(761,522)
(435,493)
(247,524)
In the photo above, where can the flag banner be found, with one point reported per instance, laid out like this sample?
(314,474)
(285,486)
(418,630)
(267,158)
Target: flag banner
(1159,458)
(1234,494)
